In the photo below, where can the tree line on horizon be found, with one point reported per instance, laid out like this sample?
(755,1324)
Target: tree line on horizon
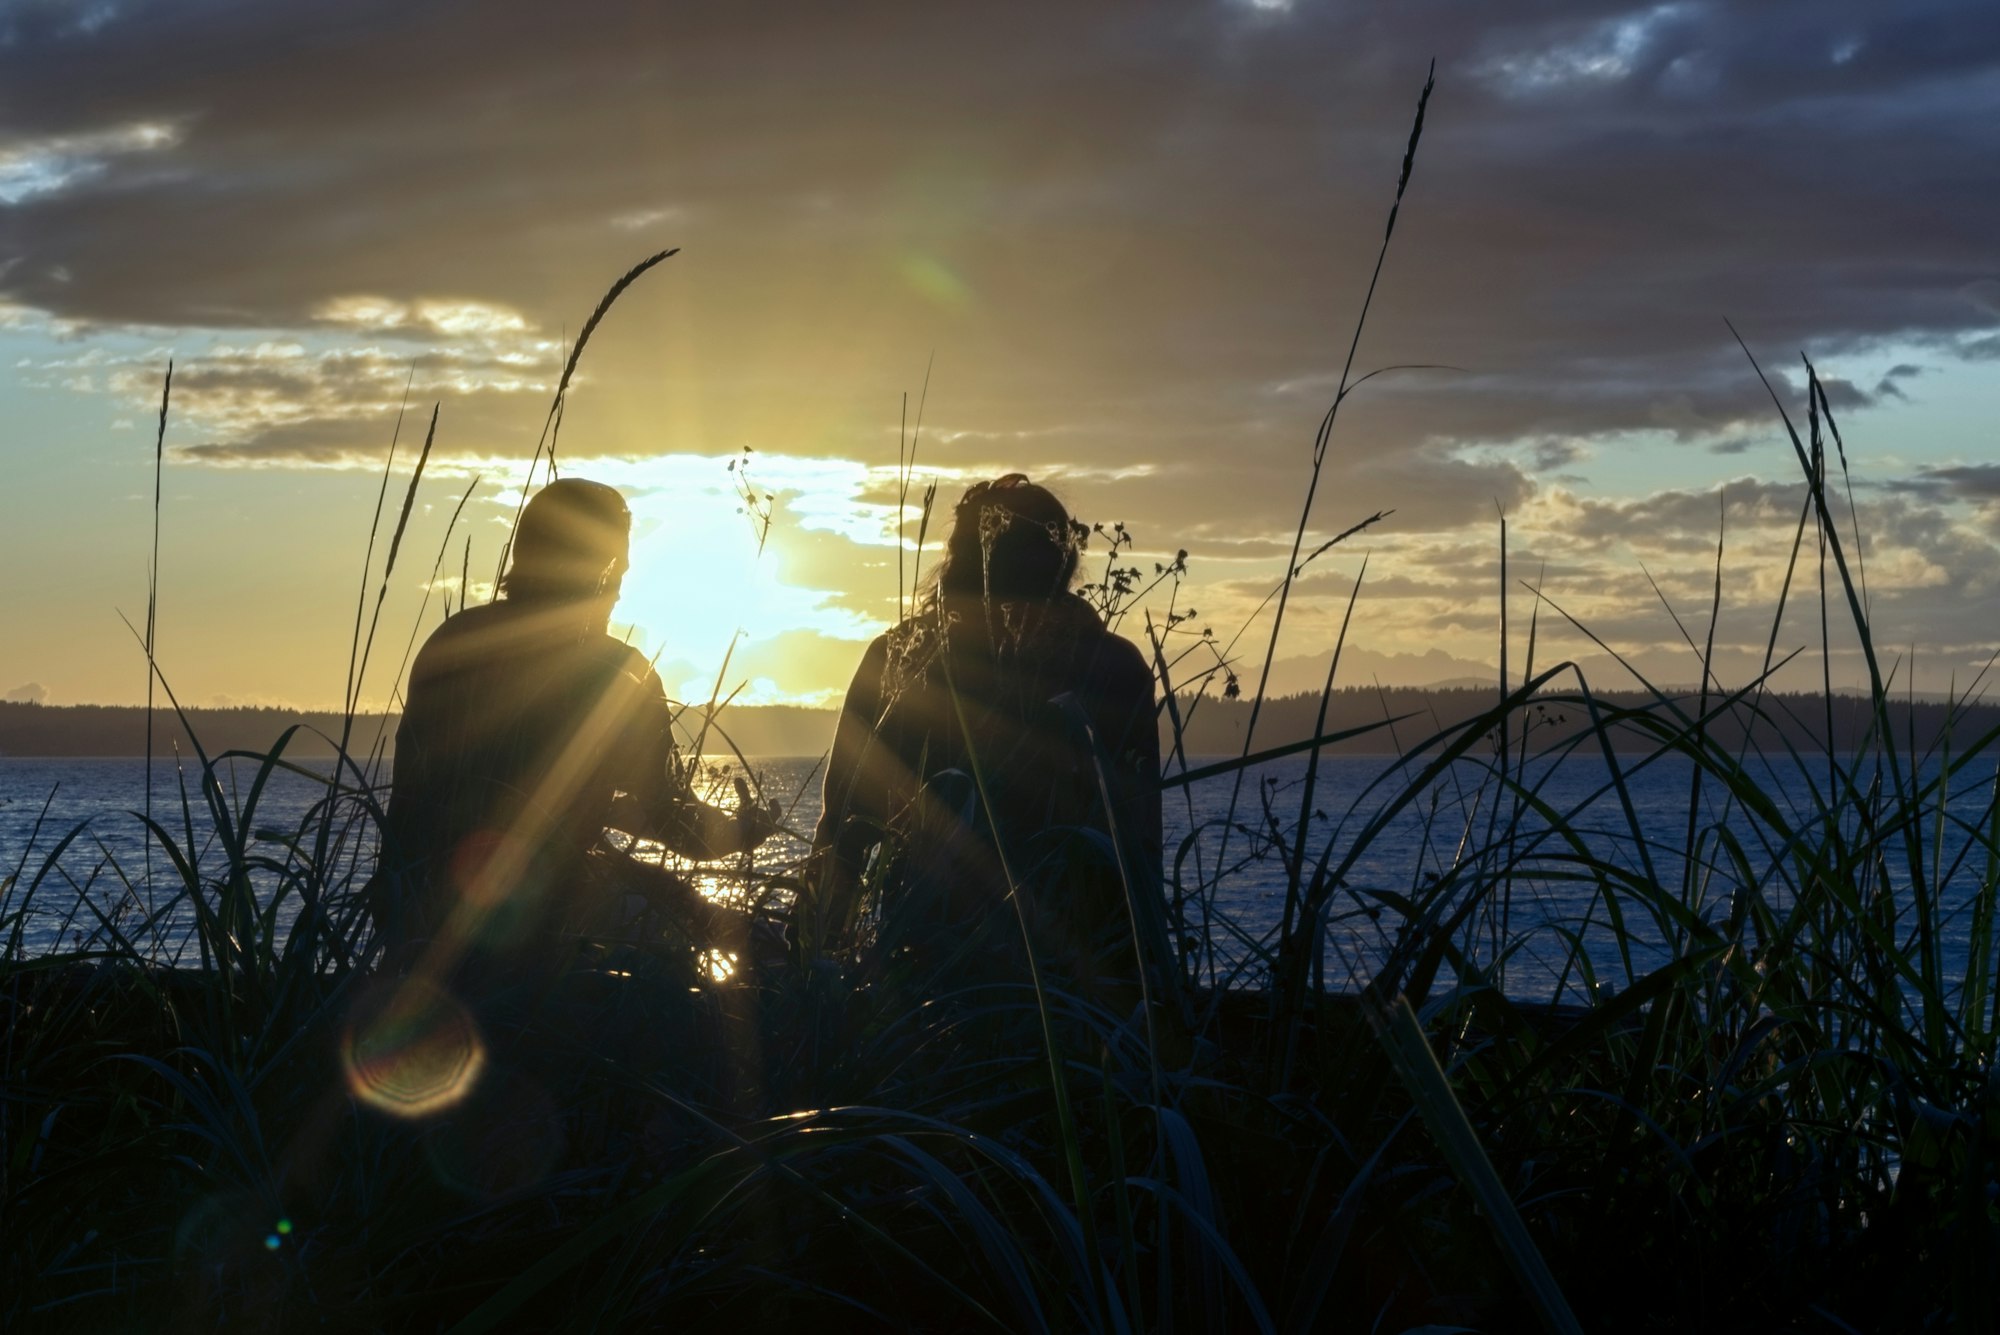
(1208,726)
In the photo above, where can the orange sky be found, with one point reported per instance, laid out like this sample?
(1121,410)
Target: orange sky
(1127,241)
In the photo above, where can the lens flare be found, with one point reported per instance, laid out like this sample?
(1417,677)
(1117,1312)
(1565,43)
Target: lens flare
(411,1050)
(936,280)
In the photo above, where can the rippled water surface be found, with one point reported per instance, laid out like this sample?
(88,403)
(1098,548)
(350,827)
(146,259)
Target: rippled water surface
(96,804)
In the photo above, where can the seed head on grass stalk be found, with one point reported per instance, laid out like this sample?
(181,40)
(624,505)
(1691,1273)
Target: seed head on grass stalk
(1321,440)
(551,426)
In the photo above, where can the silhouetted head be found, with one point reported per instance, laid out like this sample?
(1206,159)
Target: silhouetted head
(1009,539)
(572,543)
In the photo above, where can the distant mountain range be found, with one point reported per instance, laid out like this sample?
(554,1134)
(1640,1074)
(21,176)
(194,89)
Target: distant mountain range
(1209,727)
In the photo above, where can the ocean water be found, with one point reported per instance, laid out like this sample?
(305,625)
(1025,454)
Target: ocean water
(74,840)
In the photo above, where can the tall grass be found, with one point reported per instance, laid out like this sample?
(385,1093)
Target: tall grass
(1767,1102)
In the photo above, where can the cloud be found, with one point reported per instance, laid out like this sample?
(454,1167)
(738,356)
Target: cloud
(298,400)
(51,164)
(31,693)
(428,317)
(1973,482)
(1597,51)
(1138,280)
(1187,197)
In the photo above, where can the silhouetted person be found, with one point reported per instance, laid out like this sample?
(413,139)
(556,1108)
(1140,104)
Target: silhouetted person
(988,659)
(527,731)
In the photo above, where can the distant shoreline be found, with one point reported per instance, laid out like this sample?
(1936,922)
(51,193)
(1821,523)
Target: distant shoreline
(53,732)
(1212,727)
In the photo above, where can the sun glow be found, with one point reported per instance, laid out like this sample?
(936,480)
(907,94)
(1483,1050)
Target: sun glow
(696,584)
(706,573)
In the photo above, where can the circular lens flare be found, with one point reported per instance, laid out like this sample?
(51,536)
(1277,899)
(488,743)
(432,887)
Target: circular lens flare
(411,1050)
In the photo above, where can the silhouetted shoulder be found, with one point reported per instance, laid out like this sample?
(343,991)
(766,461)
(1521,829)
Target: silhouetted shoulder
(467,639)
(1122,659)
(496,635)
(864,693)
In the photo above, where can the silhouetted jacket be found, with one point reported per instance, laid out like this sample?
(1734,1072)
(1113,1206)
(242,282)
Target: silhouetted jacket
(1009,664)
(522,728)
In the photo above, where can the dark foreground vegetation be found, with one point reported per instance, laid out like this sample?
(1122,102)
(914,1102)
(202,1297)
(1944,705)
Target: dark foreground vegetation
(1787,1122)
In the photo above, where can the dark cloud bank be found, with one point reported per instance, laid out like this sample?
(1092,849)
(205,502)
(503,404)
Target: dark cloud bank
(1116,197)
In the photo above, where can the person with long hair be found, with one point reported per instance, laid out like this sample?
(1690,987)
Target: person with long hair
(981,737)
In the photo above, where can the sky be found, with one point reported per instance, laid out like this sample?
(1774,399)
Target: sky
(1119,247)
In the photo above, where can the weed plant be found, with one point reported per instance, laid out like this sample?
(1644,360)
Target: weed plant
(1790,1123)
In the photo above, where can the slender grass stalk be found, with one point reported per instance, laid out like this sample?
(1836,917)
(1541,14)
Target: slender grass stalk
(417,621)
(1320,442)
(153,603)
(1104,1298)
(906,464)
(552,423)
(388,570)
(348,694)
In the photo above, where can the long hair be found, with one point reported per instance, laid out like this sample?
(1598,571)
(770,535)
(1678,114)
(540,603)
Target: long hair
(1010,539)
